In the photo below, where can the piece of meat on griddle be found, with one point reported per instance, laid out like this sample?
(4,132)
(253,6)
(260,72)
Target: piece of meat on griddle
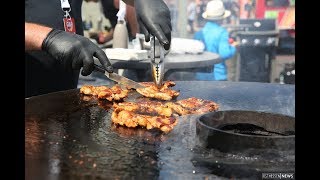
(115,93)
(146,112)
(164,93)
(133,119)
(145,107)
(158,114)
(193,106)
(91,90)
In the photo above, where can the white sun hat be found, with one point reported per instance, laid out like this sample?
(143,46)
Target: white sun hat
(215,10)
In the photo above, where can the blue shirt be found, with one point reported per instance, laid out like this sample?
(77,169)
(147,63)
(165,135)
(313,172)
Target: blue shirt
(216,40)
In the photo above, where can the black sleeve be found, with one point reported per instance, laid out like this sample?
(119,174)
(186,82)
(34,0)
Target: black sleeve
(109,11)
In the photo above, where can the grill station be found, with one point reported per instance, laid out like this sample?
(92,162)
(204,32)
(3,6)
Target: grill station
(258,40)
(69,137)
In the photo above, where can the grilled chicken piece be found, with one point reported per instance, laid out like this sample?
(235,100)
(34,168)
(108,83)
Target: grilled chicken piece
(114,93)
(192,106)
(198,106)
(164,93)
(146,112)
(92,90)
(148,107)
(177,108)
(156,114)
(133,119)
(88,90)
(127,106)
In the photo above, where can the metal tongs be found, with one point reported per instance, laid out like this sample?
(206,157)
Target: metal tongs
(157,61)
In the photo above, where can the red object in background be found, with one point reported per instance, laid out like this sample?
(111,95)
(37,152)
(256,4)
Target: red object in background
(285,12)
(231,40)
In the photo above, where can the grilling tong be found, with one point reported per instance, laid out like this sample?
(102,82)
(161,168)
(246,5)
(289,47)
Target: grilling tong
(157,61)
(157,67)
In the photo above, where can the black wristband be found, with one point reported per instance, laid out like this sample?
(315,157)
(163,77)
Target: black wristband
(52,33)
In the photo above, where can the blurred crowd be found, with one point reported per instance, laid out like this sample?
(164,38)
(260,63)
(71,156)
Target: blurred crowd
(199,27)
(195,9)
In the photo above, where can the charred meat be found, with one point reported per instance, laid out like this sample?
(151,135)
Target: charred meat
(115,93)
(164,93)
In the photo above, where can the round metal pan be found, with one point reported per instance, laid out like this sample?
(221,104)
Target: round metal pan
(238,131)
(71,137)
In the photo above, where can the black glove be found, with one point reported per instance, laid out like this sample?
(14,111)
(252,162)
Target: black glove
(154,18)
(74,51)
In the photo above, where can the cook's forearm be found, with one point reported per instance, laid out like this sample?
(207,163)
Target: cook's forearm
(34,36)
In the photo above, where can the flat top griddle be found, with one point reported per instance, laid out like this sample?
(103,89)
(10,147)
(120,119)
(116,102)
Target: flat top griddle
(69,138)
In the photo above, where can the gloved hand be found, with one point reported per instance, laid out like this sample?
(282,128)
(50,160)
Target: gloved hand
(154,18)
(74,51)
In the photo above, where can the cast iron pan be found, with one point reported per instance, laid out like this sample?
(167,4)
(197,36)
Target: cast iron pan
(260,141)
(237,131)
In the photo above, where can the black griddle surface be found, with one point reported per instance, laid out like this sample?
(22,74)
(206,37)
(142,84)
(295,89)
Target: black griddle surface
(68,138)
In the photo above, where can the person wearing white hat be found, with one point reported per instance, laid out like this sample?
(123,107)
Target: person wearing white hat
(216,39)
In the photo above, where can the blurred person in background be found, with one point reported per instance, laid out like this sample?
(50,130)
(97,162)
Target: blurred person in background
(56,50)
(191,12)
(216,40)
(110,9)
(250,8)
(234,8)
(200,9)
